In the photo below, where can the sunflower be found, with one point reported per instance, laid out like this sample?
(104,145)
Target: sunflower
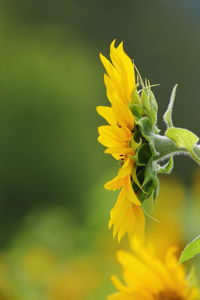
(127,215)
(148,278)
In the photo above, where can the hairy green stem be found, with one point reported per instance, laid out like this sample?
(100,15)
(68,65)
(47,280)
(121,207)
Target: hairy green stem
(165,146)
(196,155)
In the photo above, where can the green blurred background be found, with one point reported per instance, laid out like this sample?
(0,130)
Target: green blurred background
(51,167)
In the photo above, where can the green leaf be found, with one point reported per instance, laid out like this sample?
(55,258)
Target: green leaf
(168,114)
(192,249)
(183,138)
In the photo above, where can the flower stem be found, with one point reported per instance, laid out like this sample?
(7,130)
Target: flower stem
(165,147)
(196,154)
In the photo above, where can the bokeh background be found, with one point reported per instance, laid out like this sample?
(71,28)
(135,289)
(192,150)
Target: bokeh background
(54,241)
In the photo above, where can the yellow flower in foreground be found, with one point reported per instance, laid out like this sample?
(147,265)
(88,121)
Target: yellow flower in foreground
(127,214)
(148,278)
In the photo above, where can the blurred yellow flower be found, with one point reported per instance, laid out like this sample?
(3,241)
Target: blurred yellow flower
(127,214)
(148,278)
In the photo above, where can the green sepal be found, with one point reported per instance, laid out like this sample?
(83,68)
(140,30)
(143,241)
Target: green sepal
(150,183)
(153,149)
(143,154)
(145,99)
(148,180)
(136,98)
(145,128)
(136,141)
(168,114)
(191,250)
(149,103)
(148,191)
(166,168)
(138,111)
(135,180)
(153,109)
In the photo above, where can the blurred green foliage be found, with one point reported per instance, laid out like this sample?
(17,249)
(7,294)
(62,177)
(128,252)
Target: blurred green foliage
(48,124)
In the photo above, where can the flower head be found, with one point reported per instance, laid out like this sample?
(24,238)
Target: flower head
(127,214)
(148,278)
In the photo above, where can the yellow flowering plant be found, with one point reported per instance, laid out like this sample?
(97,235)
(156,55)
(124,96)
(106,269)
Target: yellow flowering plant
(148,278)
(133,138)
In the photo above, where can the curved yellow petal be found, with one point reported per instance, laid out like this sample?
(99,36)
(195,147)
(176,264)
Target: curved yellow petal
(109,138)
(130,194)
(122,112)
(136,273)
(121,150)
(123,217)
(124,65)
(111,71)
(126,169)
(118,284)
(107,113)
(114,184)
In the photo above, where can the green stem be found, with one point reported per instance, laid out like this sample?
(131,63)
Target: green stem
(165,147)
(196,154)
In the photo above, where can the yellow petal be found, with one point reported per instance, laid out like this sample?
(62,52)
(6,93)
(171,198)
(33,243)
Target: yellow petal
(137,274)
(130,194)
(121,150)
(109,138)
(111,71)
(107,113)
(118,284)
(113,88)
(114,184)
(156,266)
(122,112)
(140,224)
(114,56)
(126,169)
(123,217)
(127,69)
